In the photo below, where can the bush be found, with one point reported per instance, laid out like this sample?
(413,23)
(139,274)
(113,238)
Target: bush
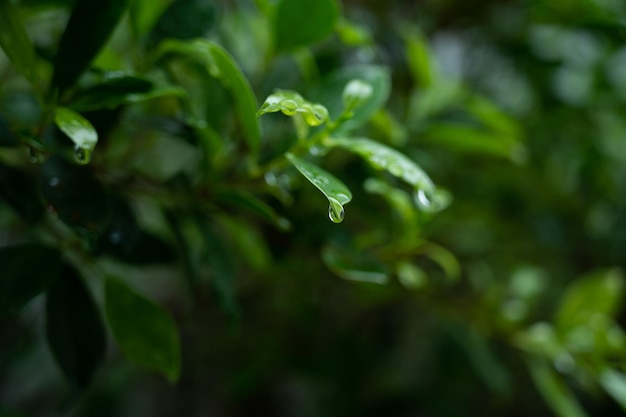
(308,208)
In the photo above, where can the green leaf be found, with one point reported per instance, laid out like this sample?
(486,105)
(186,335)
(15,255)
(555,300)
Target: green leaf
(614,383)
(298,25)
(75,195)
(335,191)
(144,331)
(473,140)
(221,65)
(74,329)
(354,266)
(222,267)
(247,242)
(19,190)
(291,103)
(118,89)
(599,292)
(79,130)
(553,389)
(418,57)
(27,270)
(184,19)
(411,276)
(15,41)
(330,92)
(88,29)
(7,136)
(382,157)
(254,205)
(124,239)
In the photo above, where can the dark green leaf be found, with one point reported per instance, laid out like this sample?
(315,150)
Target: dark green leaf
(470,139)
(221,65)
(111,92)
(74,329)
(144,331)
(15,41)
(333,189)
(124,240)
(19,190)
(88,29)
(75,195)
(27,270)
(254,205)
(300,24)
(222,267)
(355,266)
(184,19)
(7,137)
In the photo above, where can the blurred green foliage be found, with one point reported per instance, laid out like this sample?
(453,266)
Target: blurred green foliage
(165,250)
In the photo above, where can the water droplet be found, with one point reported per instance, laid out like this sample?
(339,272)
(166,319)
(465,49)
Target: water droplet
(432,201)
(336,212)
(288,107)
(424,199)
(115,238)
(82,155)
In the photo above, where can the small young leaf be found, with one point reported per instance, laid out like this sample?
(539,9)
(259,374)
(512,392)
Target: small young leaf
(27,270)
(15,41)
(144,331)
(221,65)
(355,93)
(291,103)
(327,92)
(74,329)
(88,29)
(297,24)
(354,266)
(79,130)
(335,191)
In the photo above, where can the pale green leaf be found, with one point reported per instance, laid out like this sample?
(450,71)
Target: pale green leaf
(79,130)
(335,191)
(291,103)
